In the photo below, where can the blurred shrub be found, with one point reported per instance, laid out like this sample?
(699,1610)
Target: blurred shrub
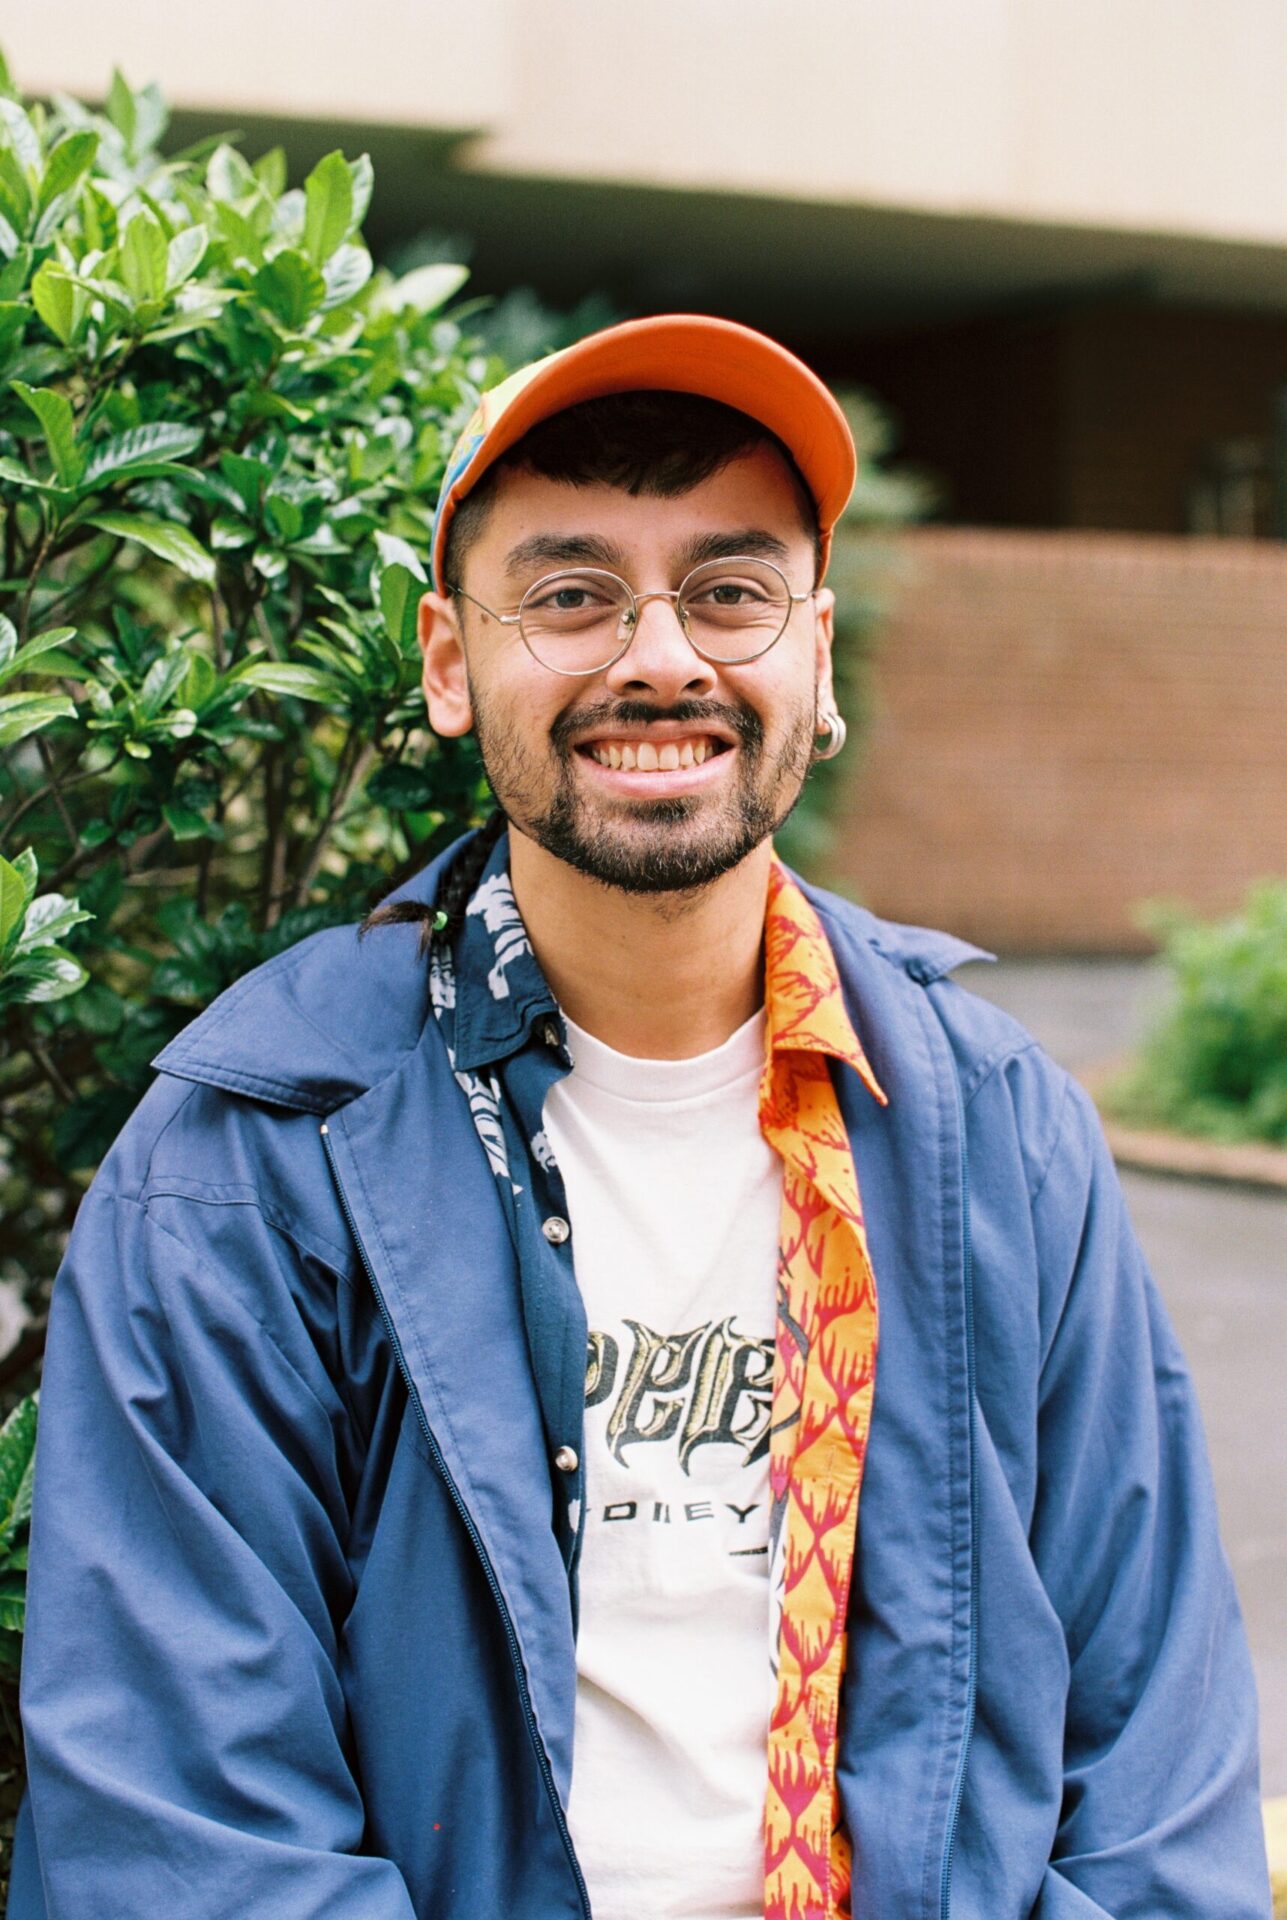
(1216,1063)
(221,436)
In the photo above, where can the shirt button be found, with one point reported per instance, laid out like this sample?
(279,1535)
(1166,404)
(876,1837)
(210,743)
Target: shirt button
(555,1230)
(551,1035)
(566,1460)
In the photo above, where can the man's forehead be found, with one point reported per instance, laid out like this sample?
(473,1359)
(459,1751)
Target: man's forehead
(748,506)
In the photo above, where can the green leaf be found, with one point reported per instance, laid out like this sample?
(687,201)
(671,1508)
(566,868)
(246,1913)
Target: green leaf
(15,193)
(49,917)
(140,447)
(290,287)
(121,110)
(22,714)
(67,163)
(184,256)
(50,974)
(161,537)
(22,136)
(17,1457)
(13,662)
(200,682)
(345,273)
(425,288)
(60,300)
(400,593)
(53,410)
(396,552)
(280,676)
(362,174)
(185,823)
(328,206)
(142,257)
(228,175)
(270,171)
(13,319)
(160,681)
(13,899)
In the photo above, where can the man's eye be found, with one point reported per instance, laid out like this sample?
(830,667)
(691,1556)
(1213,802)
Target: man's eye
(567,600)
(730,593)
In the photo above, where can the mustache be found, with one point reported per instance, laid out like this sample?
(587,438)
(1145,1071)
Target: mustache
(605,715)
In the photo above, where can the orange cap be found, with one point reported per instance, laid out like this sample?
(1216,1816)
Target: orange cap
(676,353)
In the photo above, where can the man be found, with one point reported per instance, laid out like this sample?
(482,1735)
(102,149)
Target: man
(870,1566)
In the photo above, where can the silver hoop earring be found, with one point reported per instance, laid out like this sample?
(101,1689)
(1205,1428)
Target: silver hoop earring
(831,724)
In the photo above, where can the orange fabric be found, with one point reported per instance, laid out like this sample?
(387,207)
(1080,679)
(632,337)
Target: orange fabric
(682,353)
(824,1383)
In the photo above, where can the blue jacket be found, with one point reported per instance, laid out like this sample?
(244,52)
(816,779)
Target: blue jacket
(300,1636)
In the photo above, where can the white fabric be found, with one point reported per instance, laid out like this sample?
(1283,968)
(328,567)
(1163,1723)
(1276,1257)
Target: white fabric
(674,1200)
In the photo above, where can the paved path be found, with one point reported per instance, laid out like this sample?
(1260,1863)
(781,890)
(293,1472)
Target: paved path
(1219,1255)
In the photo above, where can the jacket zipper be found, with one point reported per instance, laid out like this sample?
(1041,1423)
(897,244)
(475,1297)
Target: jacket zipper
(511,1635)
(958,1783)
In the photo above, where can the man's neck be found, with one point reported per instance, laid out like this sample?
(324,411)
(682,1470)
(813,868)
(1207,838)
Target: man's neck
(657,976)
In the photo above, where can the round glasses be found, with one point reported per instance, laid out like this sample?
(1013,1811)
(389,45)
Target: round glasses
(582,620)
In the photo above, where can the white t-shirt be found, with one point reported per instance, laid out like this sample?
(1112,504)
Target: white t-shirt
(674,1199)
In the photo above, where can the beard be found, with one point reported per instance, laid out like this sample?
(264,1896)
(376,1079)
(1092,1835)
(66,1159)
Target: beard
(673,845)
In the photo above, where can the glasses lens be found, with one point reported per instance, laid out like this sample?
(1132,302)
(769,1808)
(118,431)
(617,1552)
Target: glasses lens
(573,621)
(734,609)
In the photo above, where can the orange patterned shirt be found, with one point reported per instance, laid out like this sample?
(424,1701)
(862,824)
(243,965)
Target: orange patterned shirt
(824,1380)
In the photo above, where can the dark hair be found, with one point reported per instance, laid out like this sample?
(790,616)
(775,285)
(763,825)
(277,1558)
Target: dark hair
(440,923)
(643,442)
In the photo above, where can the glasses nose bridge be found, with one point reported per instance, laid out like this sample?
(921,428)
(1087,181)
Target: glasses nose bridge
(672,594)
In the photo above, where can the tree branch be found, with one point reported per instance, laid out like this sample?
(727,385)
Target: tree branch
(348,778)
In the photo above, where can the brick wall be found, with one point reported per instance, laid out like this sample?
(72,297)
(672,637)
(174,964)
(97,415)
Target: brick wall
(1067,723)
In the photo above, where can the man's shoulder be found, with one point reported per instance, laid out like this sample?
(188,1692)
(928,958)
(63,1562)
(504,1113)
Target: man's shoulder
(916,966)
(319,1024)
(901,975)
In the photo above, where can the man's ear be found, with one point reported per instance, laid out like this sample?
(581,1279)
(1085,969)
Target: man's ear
(824,609)
(444,678)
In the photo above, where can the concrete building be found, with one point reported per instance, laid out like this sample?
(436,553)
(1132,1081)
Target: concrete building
(1051,235)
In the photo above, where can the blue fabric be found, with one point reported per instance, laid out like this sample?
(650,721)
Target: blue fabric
(301,1635)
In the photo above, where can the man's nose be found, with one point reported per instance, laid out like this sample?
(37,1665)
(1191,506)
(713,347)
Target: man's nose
(659,659)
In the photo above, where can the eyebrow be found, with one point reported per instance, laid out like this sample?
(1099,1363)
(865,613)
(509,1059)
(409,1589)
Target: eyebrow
(591,550)
(563,549)
(724,546)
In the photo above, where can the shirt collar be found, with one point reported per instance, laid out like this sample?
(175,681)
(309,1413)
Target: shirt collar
(500,989)
(501,992)
(803,996)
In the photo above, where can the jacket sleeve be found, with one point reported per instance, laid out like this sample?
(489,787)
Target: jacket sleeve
(1160,1808)
(185,1724)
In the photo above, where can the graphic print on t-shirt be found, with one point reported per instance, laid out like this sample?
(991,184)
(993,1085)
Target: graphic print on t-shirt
(710,1386)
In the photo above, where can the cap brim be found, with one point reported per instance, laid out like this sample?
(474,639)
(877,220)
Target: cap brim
(680,353)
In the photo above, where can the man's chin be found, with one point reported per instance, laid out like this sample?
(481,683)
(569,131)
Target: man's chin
(660,848)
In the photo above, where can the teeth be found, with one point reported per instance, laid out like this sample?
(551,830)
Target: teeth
(648,758)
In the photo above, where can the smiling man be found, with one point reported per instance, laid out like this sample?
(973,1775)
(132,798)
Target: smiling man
(624,1387)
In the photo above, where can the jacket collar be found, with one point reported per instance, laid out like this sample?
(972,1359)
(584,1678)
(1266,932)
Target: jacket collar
(500,989)
(327,1020)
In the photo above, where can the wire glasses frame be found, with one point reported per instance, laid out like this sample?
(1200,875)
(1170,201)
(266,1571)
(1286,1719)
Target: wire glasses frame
(628,603)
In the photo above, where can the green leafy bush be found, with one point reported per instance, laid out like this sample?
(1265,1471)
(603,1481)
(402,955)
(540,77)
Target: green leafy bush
(1216,1063)
(17,1460)
(221,435)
